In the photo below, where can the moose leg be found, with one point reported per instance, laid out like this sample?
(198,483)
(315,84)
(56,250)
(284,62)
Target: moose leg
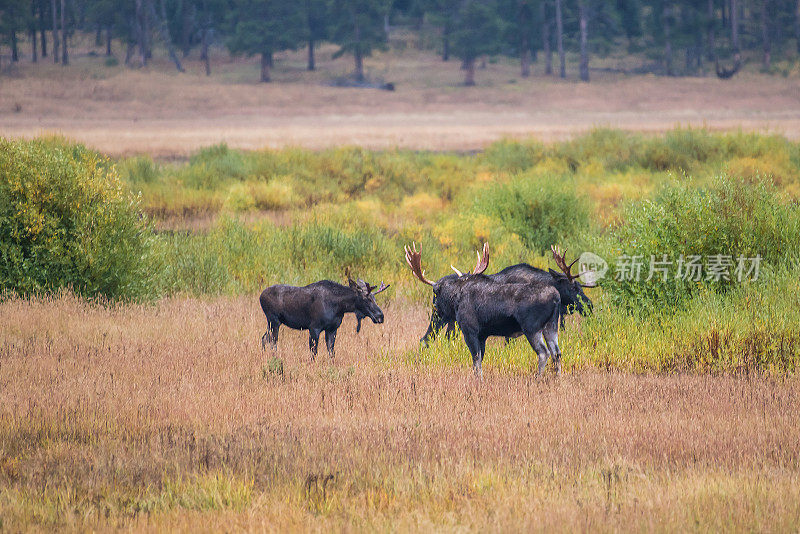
(550,335)
(271,336)
(313,341)
(451,326)
(537,342)
(358,328)
(476,348)
(330,339)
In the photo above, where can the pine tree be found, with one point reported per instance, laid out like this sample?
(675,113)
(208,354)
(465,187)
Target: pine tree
(358,29)
(478,31)
(263,27)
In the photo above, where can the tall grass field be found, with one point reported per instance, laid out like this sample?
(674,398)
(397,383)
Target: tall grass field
(134,393)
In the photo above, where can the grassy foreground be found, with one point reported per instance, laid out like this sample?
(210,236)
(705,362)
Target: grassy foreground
(170,416)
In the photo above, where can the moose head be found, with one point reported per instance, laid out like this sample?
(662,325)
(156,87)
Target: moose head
(569,285)
(365,299)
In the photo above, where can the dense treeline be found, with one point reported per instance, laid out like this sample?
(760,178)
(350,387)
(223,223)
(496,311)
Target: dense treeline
(676,37)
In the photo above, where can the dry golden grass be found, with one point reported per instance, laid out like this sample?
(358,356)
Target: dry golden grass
(169,416)
(160,112)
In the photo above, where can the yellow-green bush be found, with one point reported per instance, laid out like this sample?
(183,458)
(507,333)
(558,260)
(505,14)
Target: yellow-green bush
(66,220)
(729,220)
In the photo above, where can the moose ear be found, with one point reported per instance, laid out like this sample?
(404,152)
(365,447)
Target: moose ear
(362,286)
(556,274)
(353,283)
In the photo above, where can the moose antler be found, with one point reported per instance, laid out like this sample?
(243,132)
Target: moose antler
(561,261)
(480,265)
(483,260)
(414,260)
(382,288)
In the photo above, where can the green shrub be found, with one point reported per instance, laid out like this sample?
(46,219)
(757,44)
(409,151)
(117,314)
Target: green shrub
(513,156)
(614,150)
(240,198)
(730,218)
(682,149)
(67,221)
(274,195)
(214,165)
(138,170)
(233,258)
(751,328)
(542,212)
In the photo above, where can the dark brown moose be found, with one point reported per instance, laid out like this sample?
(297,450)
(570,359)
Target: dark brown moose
(317,307)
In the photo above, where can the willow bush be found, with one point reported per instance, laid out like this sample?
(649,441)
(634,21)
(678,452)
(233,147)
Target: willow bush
(68,221)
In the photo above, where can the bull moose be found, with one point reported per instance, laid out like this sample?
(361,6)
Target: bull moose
(485,307)
(568,285)
(318,307)
(443,312)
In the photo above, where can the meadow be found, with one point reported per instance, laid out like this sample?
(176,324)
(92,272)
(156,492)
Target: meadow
(123,111)
(140,397)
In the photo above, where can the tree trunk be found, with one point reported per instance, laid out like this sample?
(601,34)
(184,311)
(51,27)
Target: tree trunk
(42,32)
(469,76)
(98,36)
(735,26)
(765,39)
(146,35)
(446,41)
(139,28)
(667,40)
(311,63)
(64,52)
(797,26)
(129,52)
(186,27)
(546,45)
(525,55)
(56,39)
(584,25)
(163,28)
(266,61)
(359,73)
(560,41)
(14,48)
(712,54)
(32,34)
(525,63)
(204,51)
(524,40)
(108,40)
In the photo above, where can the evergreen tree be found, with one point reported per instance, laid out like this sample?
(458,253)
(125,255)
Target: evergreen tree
(15,16)
(522,29)
(443,13)
(263,27)
(316,27)
(478,31)
(358,29)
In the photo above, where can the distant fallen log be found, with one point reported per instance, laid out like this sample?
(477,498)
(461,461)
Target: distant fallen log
(364,84)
